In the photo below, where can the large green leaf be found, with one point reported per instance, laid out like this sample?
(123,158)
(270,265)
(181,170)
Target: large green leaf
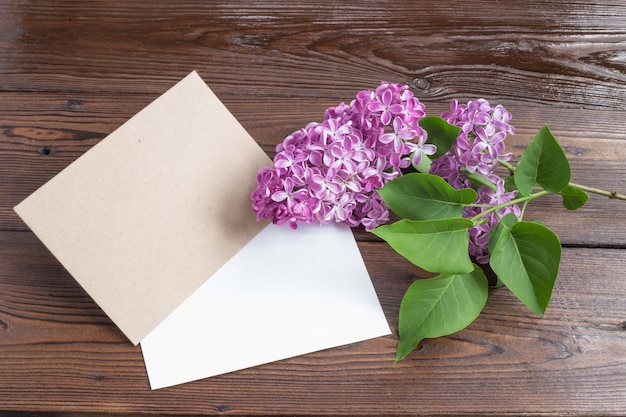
(543,163)
(425,196)
(440,133)
(439,246)
(573,198)
(440,306)
(526,256)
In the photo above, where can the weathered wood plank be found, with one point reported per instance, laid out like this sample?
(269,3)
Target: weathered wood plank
(535,52)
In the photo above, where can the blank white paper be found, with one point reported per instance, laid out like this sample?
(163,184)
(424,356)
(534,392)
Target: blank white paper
(286,293)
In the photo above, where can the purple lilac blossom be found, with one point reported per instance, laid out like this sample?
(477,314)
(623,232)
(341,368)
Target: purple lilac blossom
(329,171)
(478,148)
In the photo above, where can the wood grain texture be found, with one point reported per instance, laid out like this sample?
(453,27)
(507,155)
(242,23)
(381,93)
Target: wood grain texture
(60,351)
(71,72)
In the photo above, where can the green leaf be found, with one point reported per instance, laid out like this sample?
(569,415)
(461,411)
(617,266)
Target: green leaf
(509,184)
(439,246)
(440,133)
(573,198)
(543,163)
(440,306)
(425,196)
(526,257)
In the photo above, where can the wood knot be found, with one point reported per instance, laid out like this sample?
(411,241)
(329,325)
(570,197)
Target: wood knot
(421,84)
(222,408)
(72,104)
(46,150)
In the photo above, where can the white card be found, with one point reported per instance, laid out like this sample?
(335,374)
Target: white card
(286,293)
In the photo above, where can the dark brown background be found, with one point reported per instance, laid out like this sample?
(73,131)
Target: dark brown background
(73,71)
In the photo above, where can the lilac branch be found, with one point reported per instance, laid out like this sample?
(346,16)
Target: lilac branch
(593,190)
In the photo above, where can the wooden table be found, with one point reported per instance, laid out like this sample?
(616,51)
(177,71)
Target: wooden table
(73,71)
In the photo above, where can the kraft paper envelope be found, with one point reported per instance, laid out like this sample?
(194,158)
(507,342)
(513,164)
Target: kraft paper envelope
(147,215)
(286,293)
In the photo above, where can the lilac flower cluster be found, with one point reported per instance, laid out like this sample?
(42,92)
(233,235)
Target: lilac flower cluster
(329,171)
(478,148)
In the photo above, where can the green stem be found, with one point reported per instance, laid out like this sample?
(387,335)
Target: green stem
(508,166)
(609,194)
(593,190)
(519,200)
